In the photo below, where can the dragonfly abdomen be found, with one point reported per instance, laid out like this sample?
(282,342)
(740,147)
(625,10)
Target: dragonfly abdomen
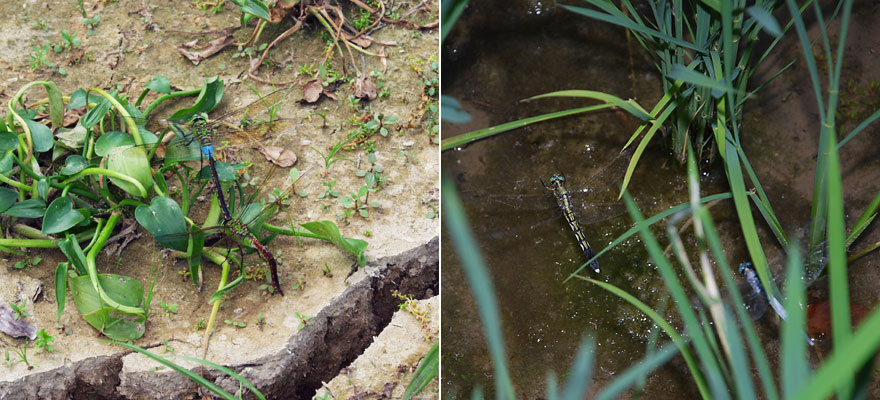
(563,199)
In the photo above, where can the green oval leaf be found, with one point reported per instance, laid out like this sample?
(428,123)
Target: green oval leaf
(133,162)
(30,208)
(159,84)
(330,232)
(56,104)
(225,172)
(8,141)
(43,188)
(164,220)
(110,140)
(209,98)
(6,161)
(257,8)
(60,216)
(7,198)
(61,287)
(41,134)
(94,115)
(77,99)
(73,164)
(124,290)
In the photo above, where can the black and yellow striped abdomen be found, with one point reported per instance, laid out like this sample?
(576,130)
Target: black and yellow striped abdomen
(563,200)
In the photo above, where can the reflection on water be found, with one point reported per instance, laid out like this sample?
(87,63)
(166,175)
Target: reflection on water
(528,246)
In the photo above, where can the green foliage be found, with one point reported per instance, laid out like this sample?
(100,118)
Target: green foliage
(304,320)
(18,311)
(428,369)
(21,352)
(169,308)
(112,144)
(27,263)
(44,340)
(39,58)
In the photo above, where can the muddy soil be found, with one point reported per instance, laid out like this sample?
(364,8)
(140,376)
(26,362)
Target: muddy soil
(285,357)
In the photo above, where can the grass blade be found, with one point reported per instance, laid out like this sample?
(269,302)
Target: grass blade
(581,369)
(795,370)
(629,24)
(428,369)
(481,285)
(629,377)
(677,339)
(465,138)
(710,366)
(246,383)
(685,74)
(629,106)
(198,379)
(650,221)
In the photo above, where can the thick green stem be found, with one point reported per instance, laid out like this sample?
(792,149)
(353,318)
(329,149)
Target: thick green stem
(93,269)
(107,172)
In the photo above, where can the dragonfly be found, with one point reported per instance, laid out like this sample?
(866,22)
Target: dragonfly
(527,202)
(563,200)
(195,140)
(244,227)
(200,133)
(756,298)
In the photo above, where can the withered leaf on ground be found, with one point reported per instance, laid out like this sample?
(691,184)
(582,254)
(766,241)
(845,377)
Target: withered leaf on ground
(278,155)
(212,48)
(363,41)
(365,88)
(280,10)
(312,91)
(15,328)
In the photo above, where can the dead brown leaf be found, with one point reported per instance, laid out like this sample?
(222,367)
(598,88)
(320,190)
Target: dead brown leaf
(331,94)
(280,10)
(363,41)
(312,91)
(278,155)
(212,48)
(365,88)
(15,327)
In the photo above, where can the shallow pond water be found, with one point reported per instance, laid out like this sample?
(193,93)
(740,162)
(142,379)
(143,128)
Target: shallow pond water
(528,246)
(501,54)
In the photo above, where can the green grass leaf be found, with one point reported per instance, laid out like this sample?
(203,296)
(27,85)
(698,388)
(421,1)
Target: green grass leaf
(428,369)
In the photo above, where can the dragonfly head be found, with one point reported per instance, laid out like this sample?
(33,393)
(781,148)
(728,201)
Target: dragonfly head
(743,266)
(556,178)
(199,118)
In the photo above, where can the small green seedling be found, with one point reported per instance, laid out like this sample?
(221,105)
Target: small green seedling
(266,287)
(27,263)
(201,324)
(330,158)
(169,308)
(326,271)
(44,340)
(304,320)
(261,320)
(70,42)
(236,324)
(168,347)
(298,284)
(18,310)
(328,190)
(359,202)
(21,351)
